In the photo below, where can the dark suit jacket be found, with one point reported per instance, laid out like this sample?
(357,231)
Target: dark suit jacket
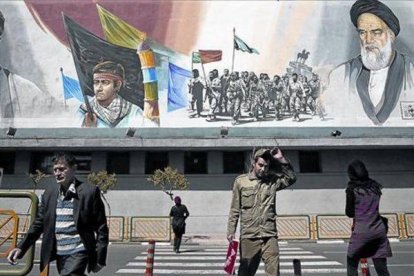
(90,219)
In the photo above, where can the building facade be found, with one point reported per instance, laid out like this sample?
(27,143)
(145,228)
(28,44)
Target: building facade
(263,70)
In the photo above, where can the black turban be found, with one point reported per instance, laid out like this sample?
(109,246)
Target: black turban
(377,8)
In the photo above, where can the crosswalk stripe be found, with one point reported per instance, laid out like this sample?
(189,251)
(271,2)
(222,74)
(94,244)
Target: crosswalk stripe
(209,246)
(169,264)
(177,257)
(199,260)
(218,272)
(216,249)
(221,253)
(193,245)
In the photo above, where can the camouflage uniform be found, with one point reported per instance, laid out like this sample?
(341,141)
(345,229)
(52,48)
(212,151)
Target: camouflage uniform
(259,103)
(286,96)
(223,102)
(215,95)
(305,96)
(276,97)
(296,90)
(315,86)
(235,97)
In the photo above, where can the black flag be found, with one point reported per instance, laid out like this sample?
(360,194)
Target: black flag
(88,50)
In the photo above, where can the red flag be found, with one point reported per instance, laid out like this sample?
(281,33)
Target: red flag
(210,55)
(230,263)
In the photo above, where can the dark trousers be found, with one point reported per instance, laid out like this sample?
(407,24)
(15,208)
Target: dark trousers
(177,241)
(380,265)
(72,265)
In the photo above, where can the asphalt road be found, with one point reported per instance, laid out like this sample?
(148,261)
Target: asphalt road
(316,259)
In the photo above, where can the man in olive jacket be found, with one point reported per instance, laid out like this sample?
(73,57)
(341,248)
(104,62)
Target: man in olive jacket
(72,220)
(254,201)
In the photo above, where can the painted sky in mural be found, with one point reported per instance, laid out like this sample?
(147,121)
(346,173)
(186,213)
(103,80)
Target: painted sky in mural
(206,64)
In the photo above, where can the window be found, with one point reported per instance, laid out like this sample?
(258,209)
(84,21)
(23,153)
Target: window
(41,161)
(233,162)
(117,162)
(309,162)
(7,161)
(83,161)
(195,162)
(155,160)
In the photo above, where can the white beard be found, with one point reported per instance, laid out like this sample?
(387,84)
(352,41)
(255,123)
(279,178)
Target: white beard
(375,61)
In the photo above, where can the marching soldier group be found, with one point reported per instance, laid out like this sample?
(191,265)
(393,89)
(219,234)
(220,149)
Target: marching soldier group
(260,97)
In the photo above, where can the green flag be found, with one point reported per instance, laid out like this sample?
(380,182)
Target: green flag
(240,45)
(196,57)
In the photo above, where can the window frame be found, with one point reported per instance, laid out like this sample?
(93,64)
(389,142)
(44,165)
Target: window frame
(110,155)
(235,171)
(314,155)
(188,154)
(155,167)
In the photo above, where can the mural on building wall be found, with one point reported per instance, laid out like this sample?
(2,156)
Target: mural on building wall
(206,63)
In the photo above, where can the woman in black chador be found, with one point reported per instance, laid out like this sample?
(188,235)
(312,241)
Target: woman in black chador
(179,213)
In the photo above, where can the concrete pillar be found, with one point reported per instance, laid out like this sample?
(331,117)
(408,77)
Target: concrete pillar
(248,155)
(215,162)
(293,156)
(137,162)
(22,162)
(98,162)
(176,159)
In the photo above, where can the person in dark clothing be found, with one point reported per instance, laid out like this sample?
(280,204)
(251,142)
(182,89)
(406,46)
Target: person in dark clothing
(196,89)
(72,219)
(369,234)
(179,213)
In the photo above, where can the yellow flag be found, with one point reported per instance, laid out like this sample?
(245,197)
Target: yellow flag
(119,32)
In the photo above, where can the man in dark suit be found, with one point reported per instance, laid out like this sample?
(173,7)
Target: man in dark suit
(72,219)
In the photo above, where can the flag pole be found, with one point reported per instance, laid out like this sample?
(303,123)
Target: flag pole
(205,78)
(208,84)
(64,97)
(192,61)
(234,50)
(204,72)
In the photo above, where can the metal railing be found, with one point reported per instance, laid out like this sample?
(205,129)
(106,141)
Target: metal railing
(146,228)
(294,227)
(339,226)
(409,225)
(29,256)
(9,222)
